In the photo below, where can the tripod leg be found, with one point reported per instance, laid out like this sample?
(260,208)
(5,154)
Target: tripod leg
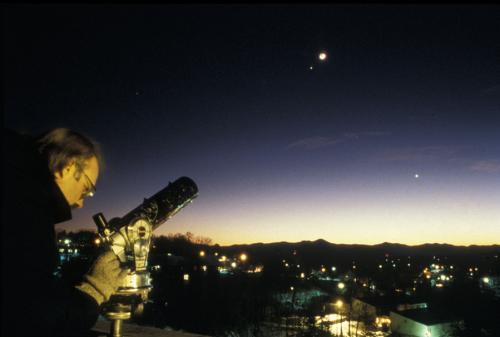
(116,328)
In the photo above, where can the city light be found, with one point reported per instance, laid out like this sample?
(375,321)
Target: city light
(381,321)
(347,281)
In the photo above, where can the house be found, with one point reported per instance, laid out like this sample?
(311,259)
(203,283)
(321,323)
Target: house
(490,284)
(383,305)
(377,308)
(423,323)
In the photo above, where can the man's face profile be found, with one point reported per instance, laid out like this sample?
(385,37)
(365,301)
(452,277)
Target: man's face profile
(76,184)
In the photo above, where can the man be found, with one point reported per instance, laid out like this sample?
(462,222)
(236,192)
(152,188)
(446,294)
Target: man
(43,179)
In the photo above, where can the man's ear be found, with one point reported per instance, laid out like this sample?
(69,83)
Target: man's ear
(67,169)
(58,175)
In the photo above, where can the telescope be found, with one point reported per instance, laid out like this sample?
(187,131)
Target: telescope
(130,239)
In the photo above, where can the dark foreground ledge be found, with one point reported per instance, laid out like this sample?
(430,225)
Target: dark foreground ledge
(102,329)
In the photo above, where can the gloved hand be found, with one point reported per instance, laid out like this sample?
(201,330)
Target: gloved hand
(103,278)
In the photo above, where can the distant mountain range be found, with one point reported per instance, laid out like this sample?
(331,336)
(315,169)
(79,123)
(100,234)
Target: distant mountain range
(384,246)
(324,252)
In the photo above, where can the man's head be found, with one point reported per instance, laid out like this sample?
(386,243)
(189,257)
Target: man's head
(74,162)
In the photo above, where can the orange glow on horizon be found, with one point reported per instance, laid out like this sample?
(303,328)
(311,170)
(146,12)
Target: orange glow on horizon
(339,216)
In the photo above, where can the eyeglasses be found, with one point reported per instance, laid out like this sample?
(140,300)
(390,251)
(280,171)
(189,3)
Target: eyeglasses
(90,190)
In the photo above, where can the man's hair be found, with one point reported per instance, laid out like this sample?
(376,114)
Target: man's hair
(61,146)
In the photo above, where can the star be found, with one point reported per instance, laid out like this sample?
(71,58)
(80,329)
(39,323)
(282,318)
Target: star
(322,56)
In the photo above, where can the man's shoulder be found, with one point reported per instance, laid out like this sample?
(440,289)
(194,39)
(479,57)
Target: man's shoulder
(23,169)
(27,180)
(19,152)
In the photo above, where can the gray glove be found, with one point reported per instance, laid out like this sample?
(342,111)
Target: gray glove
(103,278)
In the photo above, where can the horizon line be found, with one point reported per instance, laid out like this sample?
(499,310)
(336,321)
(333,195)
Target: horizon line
(298,242)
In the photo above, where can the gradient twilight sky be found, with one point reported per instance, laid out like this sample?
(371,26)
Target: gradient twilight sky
(280,152)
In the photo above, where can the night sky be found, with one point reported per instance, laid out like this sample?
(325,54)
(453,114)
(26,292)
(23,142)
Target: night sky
(394,137)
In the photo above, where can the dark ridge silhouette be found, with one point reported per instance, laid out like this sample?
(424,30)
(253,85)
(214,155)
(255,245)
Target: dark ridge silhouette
(321,252)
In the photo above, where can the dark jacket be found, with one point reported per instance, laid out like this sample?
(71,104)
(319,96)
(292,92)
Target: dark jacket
(34,301)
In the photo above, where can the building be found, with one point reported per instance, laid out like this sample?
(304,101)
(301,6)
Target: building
(383,305)
(423,323)
(299,298)
(68,250)
(490,284)
(377,309)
